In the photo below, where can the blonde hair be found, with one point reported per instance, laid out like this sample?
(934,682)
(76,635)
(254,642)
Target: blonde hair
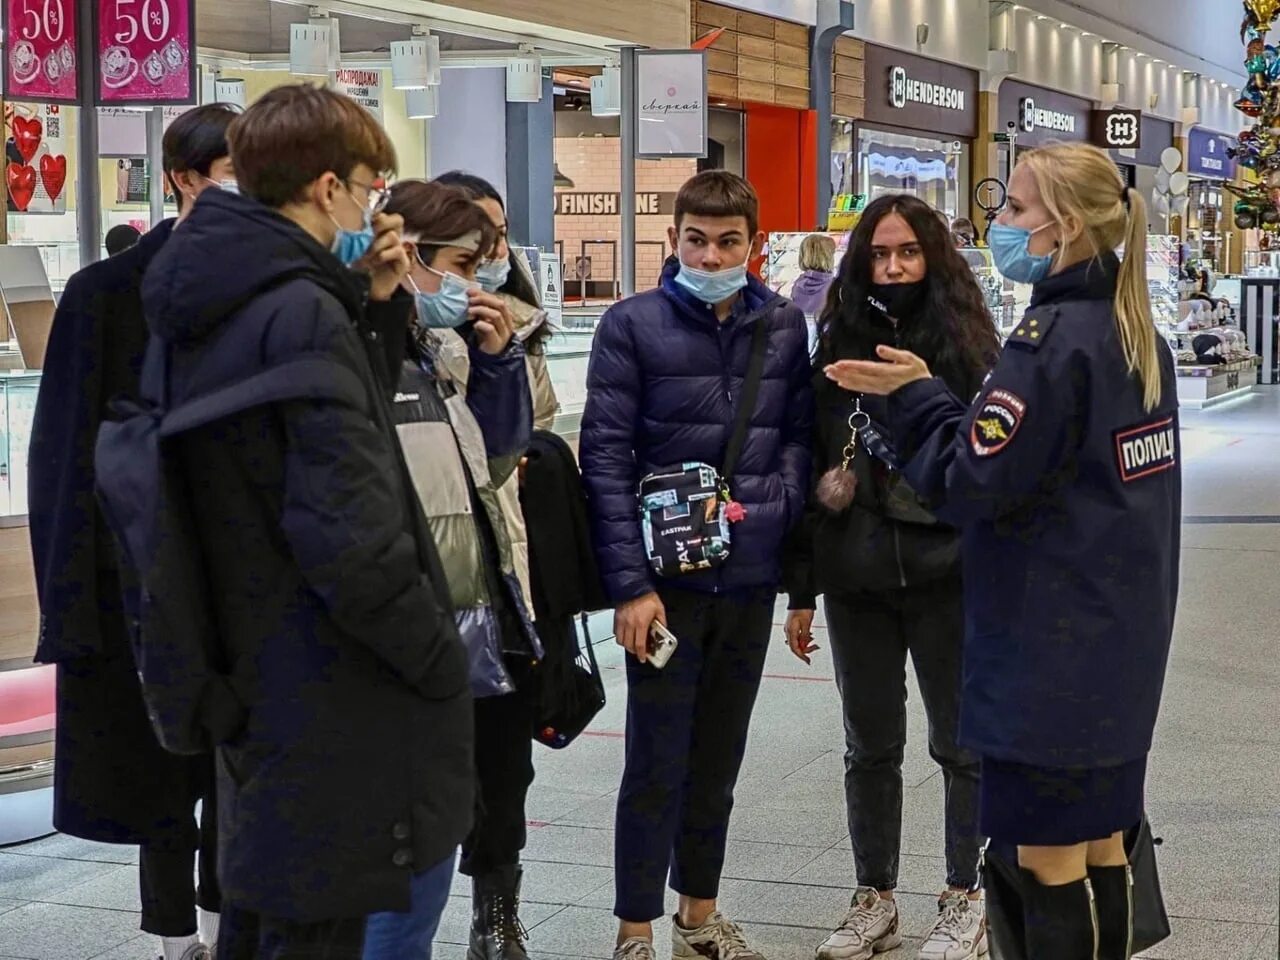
(818,253)
(1079,181)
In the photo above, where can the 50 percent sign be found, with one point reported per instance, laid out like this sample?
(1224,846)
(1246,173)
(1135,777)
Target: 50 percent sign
(151,20)
(43,18)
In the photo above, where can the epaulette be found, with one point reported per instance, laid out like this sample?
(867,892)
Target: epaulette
(1034,328)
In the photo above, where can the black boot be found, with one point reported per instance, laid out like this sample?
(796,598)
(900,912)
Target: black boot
(496,930)
(1113,888)
(1061,921)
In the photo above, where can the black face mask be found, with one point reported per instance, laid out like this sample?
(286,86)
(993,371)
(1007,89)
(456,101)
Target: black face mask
(900,301)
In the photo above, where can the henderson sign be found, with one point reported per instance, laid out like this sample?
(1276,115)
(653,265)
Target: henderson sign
(904,90)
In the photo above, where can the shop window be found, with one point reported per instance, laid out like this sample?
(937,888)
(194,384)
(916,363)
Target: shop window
(932,169)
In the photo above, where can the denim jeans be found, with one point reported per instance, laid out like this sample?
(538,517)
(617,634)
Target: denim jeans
(408,936)
(870,637)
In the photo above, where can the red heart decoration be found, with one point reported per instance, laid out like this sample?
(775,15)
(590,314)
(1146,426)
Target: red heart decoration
(53,173)
(22,184)
(27,135)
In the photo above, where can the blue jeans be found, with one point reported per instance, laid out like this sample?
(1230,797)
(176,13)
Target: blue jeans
(408,936)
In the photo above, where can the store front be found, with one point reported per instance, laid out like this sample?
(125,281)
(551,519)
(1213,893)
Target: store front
(1209,230)
(1034,116)
(916,134)
(1140,161)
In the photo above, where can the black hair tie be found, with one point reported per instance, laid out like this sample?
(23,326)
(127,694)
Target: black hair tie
(1124,198)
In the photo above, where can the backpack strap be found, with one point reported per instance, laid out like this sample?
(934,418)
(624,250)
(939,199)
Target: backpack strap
(747,403)
(309,377)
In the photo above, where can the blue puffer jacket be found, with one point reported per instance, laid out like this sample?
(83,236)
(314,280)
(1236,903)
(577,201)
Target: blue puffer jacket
(662,389)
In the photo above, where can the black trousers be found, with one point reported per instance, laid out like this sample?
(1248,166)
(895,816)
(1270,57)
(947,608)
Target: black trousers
(686,736)
(243,935)
(870,636)
(165,868)
(504,773)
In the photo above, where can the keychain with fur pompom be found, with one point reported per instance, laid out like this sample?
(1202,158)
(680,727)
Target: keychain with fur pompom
(839,485)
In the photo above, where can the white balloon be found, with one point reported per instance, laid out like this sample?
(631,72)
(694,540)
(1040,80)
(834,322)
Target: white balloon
(1181,203)
(1162,180)
(1161,201)
(1171,159)
(1179,183)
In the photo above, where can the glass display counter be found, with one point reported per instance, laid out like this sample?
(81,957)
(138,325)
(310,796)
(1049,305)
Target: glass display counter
(18,389)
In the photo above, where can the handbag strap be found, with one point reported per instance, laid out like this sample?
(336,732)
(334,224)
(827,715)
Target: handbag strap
(747,402)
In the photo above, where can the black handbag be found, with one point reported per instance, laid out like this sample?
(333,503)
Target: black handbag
(571,690)
(1002,883)
(687,511)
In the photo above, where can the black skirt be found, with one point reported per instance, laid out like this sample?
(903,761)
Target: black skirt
(1046,807)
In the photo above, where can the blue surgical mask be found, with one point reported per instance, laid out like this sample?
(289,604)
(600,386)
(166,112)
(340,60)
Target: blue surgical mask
(492,274)
(1012,258)
(350,246)
(712,286)
(448,307)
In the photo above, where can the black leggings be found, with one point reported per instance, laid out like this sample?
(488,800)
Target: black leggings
(165,869)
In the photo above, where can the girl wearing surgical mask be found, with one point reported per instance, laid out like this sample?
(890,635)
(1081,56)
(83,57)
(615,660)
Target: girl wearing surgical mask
(464,415)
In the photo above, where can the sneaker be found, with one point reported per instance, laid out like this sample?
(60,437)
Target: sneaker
(871,926)
(960,932)
(719,938)
(636,948)
(197,951)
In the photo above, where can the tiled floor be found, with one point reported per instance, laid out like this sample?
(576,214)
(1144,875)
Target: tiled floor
(1215,776)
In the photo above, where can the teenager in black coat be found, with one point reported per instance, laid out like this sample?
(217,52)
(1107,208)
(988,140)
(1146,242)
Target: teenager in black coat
(113,782)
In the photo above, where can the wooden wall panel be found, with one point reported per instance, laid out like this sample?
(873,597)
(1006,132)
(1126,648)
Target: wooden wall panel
(763,59)
(760,71)
(849,86)
(791,77)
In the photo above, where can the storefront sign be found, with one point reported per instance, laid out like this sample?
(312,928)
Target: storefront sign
(1207,155)
(1038,115)
(570,204)
(904,89)
(1117,129)
(916,93)
(146,52)
(362,86)
(551,288)
(36,158)
(40,50)
(671,103)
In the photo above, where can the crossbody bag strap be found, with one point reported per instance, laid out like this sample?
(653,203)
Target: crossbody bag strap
(747,403)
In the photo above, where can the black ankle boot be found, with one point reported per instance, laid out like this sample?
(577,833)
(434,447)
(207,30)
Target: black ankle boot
(1113,888)
(1061,921)
(496,930)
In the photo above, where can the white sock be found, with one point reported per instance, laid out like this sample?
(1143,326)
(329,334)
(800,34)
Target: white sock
(175,947)
(207,924)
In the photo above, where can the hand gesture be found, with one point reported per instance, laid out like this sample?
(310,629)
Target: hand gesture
(900,367)
(494,324)
(800,634)
(632,620)
(386,262)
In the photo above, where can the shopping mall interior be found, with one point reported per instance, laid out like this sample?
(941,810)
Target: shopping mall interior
(824,105)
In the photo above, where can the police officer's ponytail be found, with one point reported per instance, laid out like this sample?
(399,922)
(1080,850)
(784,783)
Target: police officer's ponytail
(1080,182)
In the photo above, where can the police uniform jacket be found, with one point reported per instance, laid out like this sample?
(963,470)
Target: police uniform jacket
(1069,494)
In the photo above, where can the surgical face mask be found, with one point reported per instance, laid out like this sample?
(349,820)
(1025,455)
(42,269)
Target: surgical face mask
(712,286)
(350,246)
(1009,250)
(448,307)
(492,274)
(230,185)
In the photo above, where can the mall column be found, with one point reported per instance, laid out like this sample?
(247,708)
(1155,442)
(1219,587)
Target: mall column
(88,188)
(531,130)
(834,18)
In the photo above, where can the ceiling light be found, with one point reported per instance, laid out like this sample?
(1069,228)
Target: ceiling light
(422,103)
(1041,16)
(524,77)
(606,93)
(415,63)
(1085,33)
(229,91)
(309,49)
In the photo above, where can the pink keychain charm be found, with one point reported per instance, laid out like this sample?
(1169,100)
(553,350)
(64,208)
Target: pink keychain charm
(735,512)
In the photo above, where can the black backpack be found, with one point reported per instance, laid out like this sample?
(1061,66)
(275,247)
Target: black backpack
(144,498)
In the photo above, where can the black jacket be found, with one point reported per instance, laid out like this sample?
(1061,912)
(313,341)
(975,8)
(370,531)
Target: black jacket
(355,767)
(886,539)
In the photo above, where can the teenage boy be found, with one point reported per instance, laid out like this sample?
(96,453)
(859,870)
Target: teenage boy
(349,787)
(666,376)
(112,780)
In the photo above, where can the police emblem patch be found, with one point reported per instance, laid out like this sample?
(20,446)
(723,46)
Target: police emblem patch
(1149,449)
(997,422)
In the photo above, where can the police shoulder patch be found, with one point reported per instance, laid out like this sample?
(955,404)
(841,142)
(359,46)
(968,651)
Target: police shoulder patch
(1147,449)
(1034,328)
(1000,414)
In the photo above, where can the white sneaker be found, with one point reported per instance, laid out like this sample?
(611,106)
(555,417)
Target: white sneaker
(871,926)
(637,948)
(960,932)
(719,938)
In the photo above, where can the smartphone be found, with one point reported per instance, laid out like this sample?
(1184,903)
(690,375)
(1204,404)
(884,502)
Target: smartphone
(662,644)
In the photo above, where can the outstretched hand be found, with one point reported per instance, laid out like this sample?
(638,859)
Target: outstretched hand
(899,368)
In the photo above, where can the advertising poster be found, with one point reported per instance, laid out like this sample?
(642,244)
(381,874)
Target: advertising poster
(671,103)
(35,169)
(362,86)
(146,52)
(40,50)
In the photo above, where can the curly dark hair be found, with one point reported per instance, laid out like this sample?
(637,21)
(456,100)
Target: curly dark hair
(952,331)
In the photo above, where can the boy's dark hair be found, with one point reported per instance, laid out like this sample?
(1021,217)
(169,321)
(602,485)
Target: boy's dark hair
(295,134)
(197,138)
(440,212)
(477,187)
(120,238)
(718,193)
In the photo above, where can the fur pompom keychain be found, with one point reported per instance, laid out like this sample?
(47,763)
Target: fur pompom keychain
(838,486)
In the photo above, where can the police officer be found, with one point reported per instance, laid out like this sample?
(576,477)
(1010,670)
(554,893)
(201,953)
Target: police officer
(1065,476)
